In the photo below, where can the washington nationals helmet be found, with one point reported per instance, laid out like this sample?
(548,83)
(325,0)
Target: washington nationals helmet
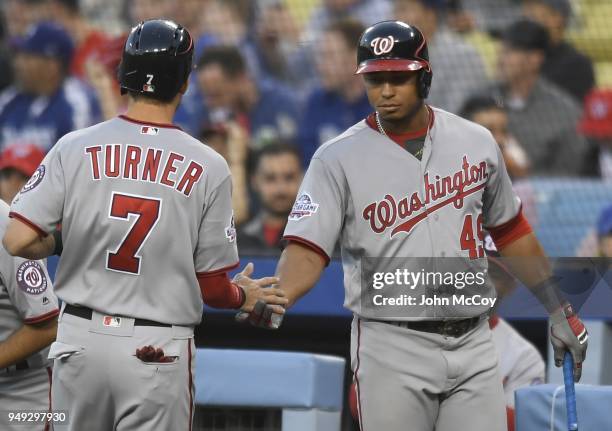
(156,59)
(394,46)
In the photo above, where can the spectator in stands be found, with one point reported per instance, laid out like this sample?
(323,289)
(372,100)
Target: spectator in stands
(45,103)
(341,100)
(20,15)
(490,113)
(190,14)
(458,70)
(17,17)
(280,55)
(596,125)
(101,73)
(141,10)
(227,20)
(231,141)
(367,12)
(604,232)
(17,164)
(564,65)
(266,109)
(541,116)
(276,180)
(491,16)
(88,40)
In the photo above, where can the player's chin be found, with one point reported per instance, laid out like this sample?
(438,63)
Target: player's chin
(391,114)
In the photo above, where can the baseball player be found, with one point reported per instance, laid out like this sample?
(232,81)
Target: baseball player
(413,181)
(146,219)
(28,324)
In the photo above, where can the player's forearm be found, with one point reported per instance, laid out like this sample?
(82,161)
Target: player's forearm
(527,261)
(26,341)
(299,270)
(21,240)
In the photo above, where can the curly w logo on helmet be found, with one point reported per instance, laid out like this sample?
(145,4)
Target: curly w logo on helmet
(382,45)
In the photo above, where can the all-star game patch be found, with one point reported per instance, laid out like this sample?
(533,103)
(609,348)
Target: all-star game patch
(303,207)
(35,179)
(31,278)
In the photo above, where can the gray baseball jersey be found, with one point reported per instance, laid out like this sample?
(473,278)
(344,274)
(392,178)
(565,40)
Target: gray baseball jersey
(143,209)
(26,297)
(26,294)
(380,201)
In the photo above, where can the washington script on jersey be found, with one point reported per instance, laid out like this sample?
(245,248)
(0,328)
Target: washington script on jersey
(451,189)
(132,164)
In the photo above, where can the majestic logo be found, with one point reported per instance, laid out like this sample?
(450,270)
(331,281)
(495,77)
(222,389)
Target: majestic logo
(35,179)
(147,130)
(411,210)
(303,207)
(111,321)
(382,45)
(230,231)
(31,278)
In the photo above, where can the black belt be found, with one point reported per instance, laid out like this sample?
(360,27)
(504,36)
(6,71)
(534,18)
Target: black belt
(86,313)
(450,328)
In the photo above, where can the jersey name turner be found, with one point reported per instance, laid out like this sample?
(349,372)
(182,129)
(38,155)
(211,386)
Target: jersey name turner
(138,165)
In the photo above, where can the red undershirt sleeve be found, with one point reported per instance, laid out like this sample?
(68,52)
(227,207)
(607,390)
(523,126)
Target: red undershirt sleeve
(218,291)
(510,231)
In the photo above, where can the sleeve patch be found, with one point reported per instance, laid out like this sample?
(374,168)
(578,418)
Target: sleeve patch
(303,207)
(35,180)
(230,231)
(31,278)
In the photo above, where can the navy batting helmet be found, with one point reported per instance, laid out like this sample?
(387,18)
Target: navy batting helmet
(394,46)
(156,59)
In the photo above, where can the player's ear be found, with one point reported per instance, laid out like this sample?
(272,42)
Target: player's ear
(184,87)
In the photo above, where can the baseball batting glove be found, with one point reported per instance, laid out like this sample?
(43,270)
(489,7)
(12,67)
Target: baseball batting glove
(263,305)
(262,316)
(568,333)
(152,354)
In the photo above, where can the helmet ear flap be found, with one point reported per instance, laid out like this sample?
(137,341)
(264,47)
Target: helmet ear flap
(425,77)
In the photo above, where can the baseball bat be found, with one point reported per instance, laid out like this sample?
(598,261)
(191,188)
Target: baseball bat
(570,392)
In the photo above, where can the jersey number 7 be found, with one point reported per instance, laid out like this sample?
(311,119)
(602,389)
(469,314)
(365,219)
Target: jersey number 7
(146,211)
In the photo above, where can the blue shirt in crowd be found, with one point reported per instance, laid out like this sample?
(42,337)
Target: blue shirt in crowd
(326,116)
(42,120)
(274,116)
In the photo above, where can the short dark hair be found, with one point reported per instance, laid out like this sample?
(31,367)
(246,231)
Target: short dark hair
(350,29)
(227,57)
(526,35)
(278,148)
(478,103)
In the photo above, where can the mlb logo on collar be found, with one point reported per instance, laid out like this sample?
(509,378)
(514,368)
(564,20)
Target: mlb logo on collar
(148,130)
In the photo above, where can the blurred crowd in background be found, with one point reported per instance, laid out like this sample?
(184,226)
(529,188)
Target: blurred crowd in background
(274,79)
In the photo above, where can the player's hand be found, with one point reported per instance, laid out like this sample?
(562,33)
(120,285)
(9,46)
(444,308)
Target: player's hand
(568,333)
(262,301)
